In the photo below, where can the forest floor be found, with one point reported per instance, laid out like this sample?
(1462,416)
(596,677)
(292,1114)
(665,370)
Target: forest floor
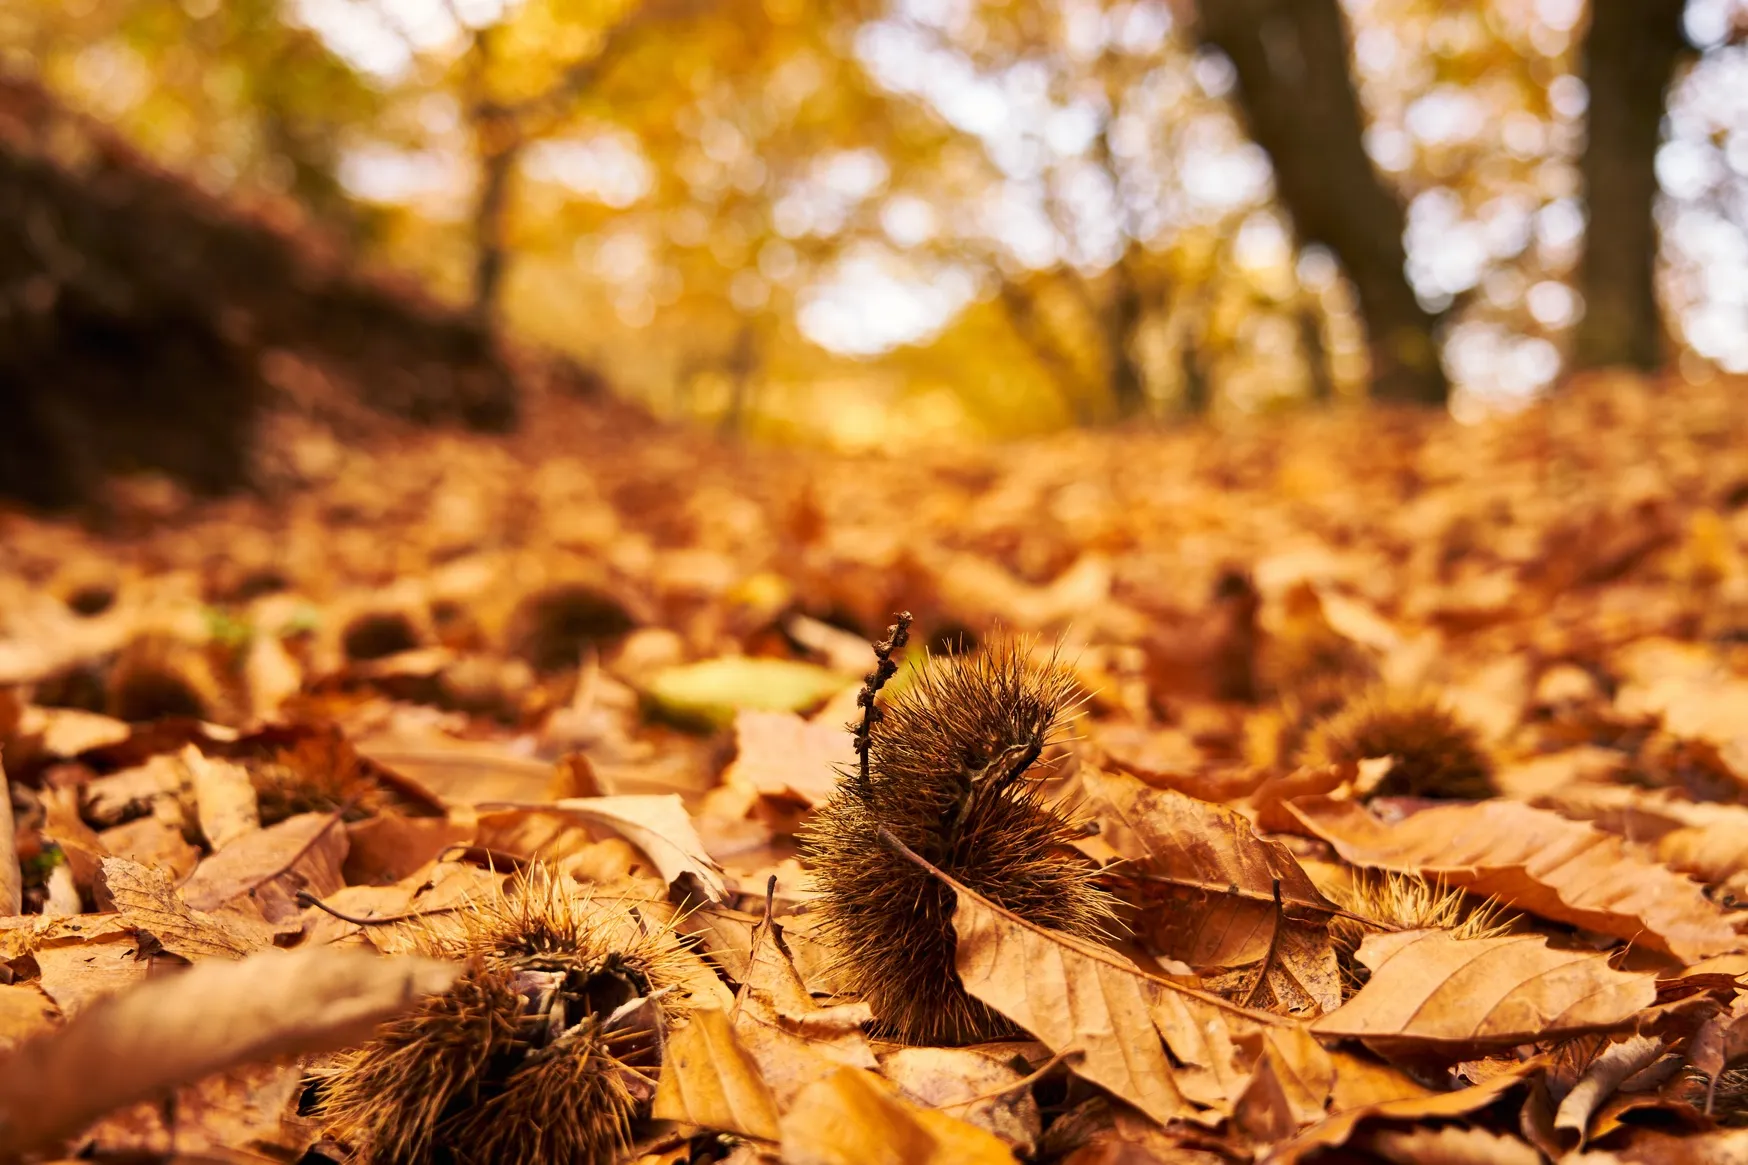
(1341,678)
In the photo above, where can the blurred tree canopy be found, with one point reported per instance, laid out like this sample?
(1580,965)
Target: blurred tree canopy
(947,216)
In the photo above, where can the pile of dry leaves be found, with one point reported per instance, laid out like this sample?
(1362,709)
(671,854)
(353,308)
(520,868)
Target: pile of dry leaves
(1407,763)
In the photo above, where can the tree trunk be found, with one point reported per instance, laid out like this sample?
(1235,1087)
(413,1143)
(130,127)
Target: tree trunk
(1630,56)
(498,155)
(1291,59)
(1122,324)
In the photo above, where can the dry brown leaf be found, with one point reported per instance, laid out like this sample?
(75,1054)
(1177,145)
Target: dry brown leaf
(224,798)
(1289,1088)
(150,904)
(261,873)
(178,1029)
(1449,1145)
(1430,991)
(156,785)
(63,825)
(835,1031)
(153,841)
(978,1084)
(1072,996)
(850,1118)
(1209,888)
(1077,997)
(24,1011)
(11,875)
(388,848)
(710,1081)
(253,1105)
(77,973)
(1655,1147)
(1200,1038)
(782,755)
(67,732)
(1601,1077)
(1536,861)
(656,823)
(460,771)
(1335,1130)
(794,1040)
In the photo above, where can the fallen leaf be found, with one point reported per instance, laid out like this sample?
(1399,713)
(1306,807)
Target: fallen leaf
(1537,861)
(1289,1088)
(781,755)
(178,1029)
(67,732)
(266,869)
(388,848)
(713,690)
(24,1011)
(1449,1145)
(148,902)
(710,1081)
(1077,997)
(11,875)
(224,798)
(657,824)
(1334,1131)
(77,973)
(1208,886)
(153,841)
(1432,992)
(63,825)
(850,1118)
(1601,1077)
(980,1085)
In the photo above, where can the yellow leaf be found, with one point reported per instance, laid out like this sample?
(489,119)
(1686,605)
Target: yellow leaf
(850,1118)
(710,1081)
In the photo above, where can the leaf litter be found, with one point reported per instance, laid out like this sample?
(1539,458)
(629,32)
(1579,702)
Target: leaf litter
(1410,806)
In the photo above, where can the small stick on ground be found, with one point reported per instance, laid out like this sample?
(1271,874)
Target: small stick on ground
(305,898)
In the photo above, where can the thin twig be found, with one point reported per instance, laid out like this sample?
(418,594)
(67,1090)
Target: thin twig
(1268,960)
(305,898)
(1024,1082)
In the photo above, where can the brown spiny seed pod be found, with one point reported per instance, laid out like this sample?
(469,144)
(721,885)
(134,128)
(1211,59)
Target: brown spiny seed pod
(946,771)
(546,1050)
(1436,755)
(1377,902)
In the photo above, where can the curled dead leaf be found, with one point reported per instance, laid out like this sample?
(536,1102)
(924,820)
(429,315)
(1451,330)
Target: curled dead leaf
(178,1029)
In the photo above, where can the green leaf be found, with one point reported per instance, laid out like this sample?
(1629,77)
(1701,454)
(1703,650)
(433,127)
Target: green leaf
(709,692)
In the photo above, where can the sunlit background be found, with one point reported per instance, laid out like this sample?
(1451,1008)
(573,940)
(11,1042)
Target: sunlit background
(881,219)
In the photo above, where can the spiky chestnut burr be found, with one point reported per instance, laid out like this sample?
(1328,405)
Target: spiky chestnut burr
(545,1051)
(1436,755)
(945,767)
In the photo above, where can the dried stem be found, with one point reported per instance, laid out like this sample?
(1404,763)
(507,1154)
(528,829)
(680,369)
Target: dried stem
(897,636)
